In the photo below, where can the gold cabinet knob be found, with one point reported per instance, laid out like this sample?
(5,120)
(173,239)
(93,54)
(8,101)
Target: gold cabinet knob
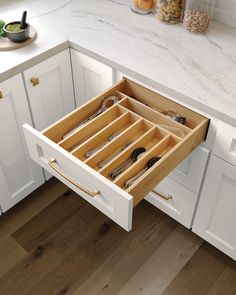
(1,95)
(34,81)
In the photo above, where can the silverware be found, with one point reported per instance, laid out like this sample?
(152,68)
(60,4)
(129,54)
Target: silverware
(175,116)
(133,158)
(93,151)
(108,159)
(150,163)
(106,104)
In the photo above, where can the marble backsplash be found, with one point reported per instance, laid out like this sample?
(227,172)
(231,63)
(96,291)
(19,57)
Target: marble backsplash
(225,12)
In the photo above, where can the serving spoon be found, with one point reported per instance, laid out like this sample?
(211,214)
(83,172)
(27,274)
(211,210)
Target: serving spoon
(106,104)
(133,158)
(150,163)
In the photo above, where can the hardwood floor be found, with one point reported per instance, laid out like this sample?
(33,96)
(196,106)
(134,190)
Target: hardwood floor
(55,243)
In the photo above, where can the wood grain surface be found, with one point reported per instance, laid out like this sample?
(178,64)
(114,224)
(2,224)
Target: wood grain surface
(55,243)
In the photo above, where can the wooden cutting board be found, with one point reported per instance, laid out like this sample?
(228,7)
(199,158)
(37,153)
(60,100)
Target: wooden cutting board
(6,44)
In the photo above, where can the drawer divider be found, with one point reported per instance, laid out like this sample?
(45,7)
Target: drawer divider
(104,135)
(158,150)
(152,115)
(121,140)
(91,128)
(168,162)
(58,129)
(125,155)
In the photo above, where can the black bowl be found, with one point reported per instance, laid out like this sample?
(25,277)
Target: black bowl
(17,36)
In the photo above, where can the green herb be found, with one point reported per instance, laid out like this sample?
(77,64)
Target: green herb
(2,24)
(2,33)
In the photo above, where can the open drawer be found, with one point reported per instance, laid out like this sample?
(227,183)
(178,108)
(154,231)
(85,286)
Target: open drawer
(85,154)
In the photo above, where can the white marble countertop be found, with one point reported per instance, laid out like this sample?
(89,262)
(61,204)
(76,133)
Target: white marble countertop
(51,20)
(197,70)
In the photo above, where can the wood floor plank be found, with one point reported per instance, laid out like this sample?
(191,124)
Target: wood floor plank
(94,218)
(126,259)
(10,254)
(199,274)
(76,250)
(29,271)
(165,263)
(226,284)
(86,259)
(37,229)
(28,208)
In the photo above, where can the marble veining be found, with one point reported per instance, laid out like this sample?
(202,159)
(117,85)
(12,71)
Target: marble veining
(197,70)
(190,67)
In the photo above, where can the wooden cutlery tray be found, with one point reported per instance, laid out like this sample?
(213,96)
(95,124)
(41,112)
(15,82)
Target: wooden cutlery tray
(137,120)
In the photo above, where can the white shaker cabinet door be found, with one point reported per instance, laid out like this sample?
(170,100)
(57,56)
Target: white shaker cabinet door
(91,77)
(50,90)
(215,219)
(19,176)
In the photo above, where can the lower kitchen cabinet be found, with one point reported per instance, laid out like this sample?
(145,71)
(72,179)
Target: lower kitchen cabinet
(175,200)
(19,176)
(49,86)
(215,219)
(50,90)
(225,143)
(190,172)
(91,77)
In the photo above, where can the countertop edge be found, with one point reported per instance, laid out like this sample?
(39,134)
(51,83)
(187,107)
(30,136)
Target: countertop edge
(34,60)
(172,94)
(168,92)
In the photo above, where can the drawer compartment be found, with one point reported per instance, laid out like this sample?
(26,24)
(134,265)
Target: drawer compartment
(175,200)
(115,158)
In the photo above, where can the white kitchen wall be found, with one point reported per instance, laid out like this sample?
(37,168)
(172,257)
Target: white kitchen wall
(225,12)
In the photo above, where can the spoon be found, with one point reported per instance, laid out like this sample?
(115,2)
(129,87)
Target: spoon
(150,163)
(23,24)
(133,158)
(106,103)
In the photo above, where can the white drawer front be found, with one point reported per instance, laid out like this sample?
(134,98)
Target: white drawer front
(190,171)
(181,204)
(225,143)
(111,200)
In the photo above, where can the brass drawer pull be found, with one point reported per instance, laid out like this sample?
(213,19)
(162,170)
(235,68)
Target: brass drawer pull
(1,95)
(52,164)
(34,81)
(167,198)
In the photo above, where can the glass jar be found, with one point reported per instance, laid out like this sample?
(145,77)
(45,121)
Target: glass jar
(169,11)
(197,15)
(142,6)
